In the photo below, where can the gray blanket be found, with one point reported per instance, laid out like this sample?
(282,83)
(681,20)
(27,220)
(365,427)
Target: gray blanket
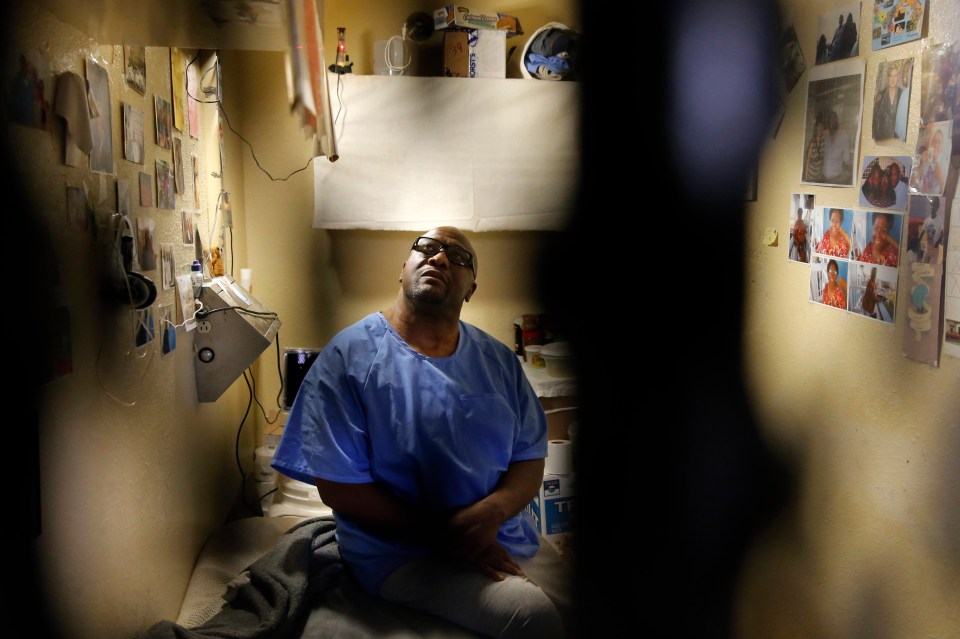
(275,594)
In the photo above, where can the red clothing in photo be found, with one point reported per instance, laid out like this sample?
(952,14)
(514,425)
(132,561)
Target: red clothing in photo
(837,300)
(826,247)
(890,256)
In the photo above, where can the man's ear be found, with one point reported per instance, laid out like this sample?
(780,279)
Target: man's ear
(473,288)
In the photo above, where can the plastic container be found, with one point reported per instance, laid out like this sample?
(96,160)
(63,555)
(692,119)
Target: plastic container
(534,356)
(196,278)
(559,359)
(296,498)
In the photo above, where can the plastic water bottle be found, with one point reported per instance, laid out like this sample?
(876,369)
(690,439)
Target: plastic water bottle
(196,278)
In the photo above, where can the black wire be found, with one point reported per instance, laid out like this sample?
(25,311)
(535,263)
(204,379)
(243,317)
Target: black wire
(279,374)
(267,173)
(200,81)
(252,396)
(204,313)
(339,97)
(236,448)
(263,411)
(226,118)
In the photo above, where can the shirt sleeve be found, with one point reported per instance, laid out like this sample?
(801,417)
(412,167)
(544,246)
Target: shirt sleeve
(532,440)
(325,435)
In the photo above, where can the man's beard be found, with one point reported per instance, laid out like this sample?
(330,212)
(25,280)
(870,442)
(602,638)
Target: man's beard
(424,295)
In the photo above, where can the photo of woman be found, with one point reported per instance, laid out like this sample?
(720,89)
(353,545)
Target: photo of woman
(828,282)
(876,237)
(887,101)
(834,224)
(873,291)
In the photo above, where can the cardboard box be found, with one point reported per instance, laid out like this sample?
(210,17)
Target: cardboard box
(475,53)
(455,15)
(553,509)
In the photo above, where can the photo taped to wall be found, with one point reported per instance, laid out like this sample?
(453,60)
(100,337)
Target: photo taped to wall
(832,129)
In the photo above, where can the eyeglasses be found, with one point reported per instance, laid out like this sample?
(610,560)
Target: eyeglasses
(456,254)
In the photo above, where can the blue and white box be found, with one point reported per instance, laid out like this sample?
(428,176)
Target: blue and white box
(553,506)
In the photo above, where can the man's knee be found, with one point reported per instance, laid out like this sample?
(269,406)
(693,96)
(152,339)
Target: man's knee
(532,613)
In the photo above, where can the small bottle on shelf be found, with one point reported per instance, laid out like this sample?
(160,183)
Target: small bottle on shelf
(196,278)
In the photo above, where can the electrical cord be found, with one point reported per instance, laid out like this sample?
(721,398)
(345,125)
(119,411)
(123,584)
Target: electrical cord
(406,55)
(251,398)
(201,314)
(219,102)
(254,155)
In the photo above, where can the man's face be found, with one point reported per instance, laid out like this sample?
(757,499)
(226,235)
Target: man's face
(436,279)
(894,172)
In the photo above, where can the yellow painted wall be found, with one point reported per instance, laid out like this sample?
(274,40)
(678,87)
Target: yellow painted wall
(134,474)
(871,548)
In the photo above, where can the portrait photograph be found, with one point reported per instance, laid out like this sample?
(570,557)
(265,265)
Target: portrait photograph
(101,127)
(828,281)
(147,243)
(135,67)
(177,165)
(146,189)
(188,226)
(832,123)
(838,34)
(873,291)
(884,182)
(167,269)
(165,196)
(876,237)
(132,133)
(932,158)
(891,101)
(30,92)
(939,74)
(123,197)
(792,63)
(832,228)
(926,230)
(800,221)
(163,117)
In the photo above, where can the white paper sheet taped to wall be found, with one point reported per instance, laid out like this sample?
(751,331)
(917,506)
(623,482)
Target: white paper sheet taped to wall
(559,457)
(482,154)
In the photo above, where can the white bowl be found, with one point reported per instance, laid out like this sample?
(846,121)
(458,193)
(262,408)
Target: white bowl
(559,359)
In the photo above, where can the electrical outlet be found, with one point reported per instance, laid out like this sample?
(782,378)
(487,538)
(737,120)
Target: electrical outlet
(203,326)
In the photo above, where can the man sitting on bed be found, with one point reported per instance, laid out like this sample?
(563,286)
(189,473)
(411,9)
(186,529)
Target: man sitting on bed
(424,436)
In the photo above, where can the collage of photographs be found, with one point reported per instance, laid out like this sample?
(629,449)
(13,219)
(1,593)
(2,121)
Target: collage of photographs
(893,243)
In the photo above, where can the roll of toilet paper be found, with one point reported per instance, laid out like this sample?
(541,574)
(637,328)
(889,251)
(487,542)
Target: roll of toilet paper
(559,457)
